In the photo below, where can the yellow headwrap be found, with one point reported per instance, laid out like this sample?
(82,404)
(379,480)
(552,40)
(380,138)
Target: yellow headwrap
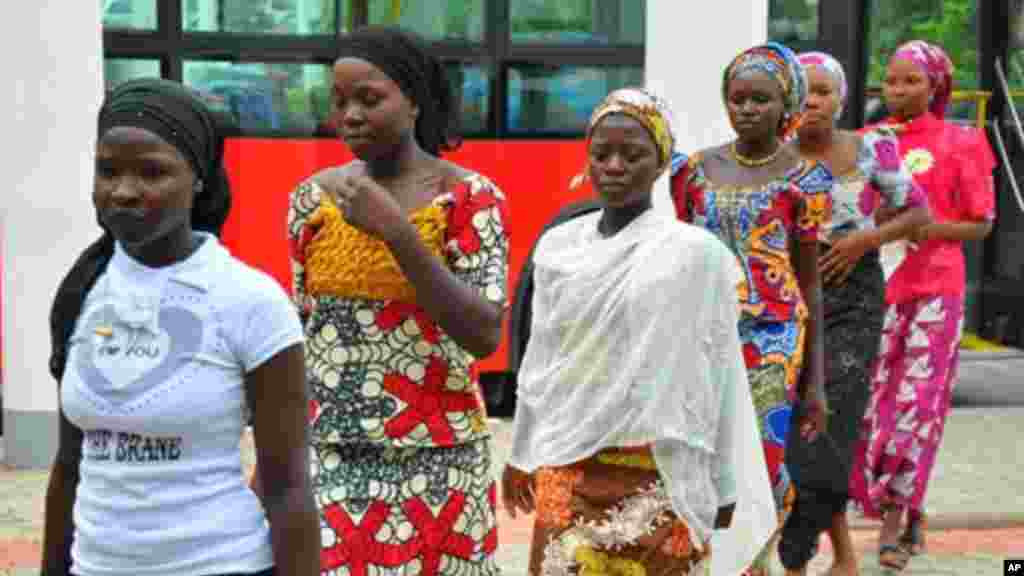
(647,108)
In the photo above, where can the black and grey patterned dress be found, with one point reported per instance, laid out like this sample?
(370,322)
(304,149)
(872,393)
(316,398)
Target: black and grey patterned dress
(853,313)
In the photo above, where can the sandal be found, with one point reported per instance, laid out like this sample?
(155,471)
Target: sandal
(913,537)
(893,557)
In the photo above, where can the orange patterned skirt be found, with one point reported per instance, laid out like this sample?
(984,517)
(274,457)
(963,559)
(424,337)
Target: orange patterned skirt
(609,515)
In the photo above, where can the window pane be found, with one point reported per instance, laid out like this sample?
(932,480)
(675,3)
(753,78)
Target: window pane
(129,14)
(579,21)
(1015,71)
(293,99)
(561,98)
(794,23)
(1014,66)
(118,70)
(296,17)
(952,25)
(473,84)
(452,20)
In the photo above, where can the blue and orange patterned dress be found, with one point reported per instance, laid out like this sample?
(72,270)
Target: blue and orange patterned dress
(759,223)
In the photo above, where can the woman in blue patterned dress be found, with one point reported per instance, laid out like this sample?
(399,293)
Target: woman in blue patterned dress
(766,204)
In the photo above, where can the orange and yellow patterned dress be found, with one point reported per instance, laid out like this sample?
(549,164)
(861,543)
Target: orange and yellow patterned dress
(613,497)
(400,456)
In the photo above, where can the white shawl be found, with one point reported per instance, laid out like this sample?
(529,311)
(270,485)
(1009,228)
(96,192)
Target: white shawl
(634,341)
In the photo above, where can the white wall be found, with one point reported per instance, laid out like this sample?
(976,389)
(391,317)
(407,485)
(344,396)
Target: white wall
(52,49)
(686,50)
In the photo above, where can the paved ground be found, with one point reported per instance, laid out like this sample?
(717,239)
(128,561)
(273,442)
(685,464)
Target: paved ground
(994,378)
(976,502)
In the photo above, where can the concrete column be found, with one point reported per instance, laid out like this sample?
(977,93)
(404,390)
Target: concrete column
(685,53)
(53,52)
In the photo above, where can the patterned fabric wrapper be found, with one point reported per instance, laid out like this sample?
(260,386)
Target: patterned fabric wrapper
(609,514)
(911,394)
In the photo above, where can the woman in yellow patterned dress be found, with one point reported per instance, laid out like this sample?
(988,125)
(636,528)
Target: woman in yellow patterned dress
(399,269)
(626,442)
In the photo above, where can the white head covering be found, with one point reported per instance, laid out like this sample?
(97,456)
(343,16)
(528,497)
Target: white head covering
(624,352)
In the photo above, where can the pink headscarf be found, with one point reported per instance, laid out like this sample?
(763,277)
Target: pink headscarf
(833,68)
(933,61)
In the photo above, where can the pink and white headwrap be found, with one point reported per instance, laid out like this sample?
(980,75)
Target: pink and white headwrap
(833,68)
(934,62)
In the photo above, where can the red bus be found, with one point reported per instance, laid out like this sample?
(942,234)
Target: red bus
(529,72)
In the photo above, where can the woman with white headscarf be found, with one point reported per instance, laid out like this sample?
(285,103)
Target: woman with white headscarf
(628,437)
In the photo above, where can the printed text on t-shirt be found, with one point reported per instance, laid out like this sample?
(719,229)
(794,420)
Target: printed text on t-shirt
(105,445)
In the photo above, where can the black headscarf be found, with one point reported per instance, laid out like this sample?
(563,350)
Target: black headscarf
(419,74)
(179,116)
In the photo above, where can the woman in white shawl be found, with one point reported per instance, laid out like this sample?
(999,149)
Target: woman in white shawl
(633,405)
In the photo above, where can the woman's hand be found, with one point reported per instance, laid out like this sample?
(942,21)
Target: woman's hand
(366,205)
(841,259)
(723,519)
(814,418)
(517,491)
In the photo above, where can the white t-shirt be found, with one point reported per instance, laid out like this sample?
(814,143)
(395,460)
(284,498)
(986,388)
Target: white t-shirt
(156,381)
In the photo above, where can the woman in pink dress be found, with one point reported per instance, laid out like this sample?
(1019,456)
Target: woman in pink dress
(912,385)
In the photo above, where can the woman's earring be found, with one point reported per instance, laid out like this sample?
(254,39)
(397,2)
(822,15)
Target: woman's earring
(198,186)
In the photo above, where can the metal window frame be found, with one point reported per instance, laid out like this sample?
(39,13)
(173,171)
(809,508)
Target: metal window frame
(535,134)
(508,54)
(843,30)
(992,48)
(494,53)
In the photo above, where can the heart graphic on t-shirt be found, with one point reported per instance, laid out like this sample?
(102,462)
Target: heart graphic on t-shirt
(132,362)
(129,354)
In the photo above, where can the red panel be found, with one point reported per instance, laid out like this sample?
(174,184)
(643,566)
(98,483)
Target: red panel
(533,174)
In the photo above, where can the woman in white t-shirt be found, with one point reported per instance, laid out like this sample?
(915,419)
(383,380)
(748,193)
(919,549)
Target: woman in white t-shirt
(162,343)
